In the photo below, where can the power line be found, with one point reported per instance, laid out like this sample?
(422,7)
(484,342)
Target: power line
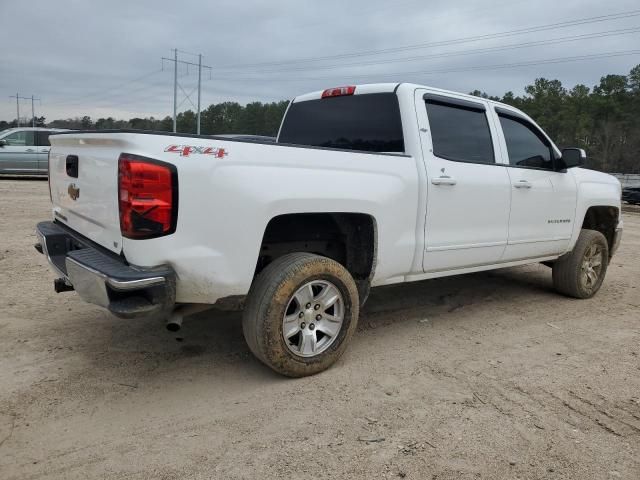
(138,101)
(439,71)
(462,69)
(475,38)
(554,41)
(153,83)
(575,58)
(146,86)
(186,52)
(104,94)
(103,91)
(108,101)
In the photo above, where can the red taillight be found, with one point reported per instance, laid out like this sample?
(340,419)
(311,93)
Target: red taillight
(148,197)
(338,91)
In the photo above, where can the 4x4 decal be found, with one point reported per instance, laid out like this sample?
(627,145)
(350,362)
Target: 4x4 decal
(186,150)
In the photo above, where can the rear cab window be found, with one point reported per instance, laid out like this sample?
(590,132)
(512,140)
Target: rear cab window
(368,122)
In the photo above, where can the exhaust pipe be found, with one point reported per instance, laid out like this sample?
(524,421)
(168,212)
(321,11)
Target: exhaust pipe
(174,323)
(61,285)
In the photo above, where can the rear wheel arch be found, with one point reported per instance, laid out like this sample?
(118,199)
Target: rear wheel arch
(349,238)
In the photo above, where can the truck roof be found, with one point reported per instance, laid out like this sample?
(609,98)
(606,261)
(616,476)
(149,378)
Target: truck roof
(365,88)
(360,90)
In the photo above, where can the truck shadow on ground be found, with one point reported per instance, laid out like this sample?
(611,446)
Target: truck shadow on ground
(213,339)
(449,294)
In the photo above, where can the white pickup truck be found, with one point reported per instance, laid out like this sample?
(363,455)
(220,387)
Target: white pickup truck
(366,185)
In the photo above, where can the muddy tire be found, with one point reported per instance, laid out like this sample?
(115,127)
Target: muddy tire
(580,273)
(300,314)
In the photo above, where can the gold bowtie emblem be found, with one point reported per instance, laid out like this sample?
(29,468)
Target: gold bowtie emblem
(74,192)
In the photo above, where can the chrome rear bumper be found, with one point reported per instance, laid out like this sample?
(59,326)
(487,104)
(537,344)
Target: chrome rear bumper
(104,278)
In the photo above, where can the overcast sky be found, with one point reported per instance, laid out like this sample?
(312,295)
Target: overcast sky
(104,58)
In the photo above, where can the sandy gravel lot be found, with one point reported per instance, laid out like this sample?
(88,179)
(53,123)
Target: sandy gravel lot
(488,375)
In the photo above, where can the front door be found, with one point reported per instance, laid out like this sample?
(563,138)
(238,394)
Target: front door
(468,190)
(18,154)
(543,200)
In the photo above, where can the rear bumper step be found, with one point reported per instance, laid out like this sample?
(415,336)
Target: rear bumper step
(102,278)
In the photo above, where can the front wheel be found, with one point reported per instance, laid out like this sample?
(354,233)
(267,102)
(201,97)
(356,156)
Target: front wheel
(580,273)
(300,314)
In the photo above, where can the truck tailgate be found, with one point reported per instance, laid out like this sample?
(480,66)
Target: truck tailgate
(83,176)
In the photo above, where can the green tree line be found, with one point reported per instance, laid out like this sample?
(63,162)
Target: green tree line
(228,117)
(604,120)
(255,118)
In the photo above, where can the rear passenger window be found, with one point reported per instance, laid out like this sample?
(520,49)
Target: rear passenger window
(525,145)
(460,132)
(42,137)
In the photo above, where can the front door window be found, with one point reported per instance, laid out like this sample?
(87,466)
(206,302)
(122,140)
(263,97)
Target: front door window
(525,145)
(20,139)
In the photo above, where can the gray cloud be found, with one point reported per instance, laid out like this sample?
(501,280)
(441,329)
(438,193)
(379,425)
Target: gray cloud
(80,57)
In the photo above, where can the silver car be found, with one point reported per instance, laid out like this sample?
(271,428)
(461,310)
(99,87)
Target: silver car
(24,151)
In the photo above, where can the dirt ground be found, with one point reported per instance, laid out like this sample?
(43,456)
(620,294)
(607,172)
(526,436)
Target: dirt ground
(488,375)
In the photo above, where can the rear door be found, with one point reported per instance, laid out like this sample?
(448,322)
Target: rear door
(19,154)
(43,146)
(84,184)
(543,200)
(468,191)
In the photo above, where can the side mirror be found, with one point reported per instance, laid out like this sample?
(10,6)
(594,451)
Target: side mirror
(3,142)
(573,157)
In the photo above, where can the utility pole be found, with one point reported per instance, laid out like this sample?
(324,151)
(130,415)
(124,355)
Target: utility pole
(176,85)
(175,88)
(199,83)
(33,112)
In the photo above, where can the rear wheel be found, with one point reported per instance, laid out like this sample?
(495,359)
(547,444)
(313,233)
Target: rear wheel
(300,314)
(580,273)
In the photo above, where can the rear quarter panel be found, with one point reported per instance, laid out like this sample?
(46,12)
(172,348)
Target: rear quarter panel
(226,202)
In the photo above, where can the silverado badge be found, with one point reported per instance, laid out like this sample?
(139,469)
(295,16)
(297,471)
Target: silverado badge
(73,191)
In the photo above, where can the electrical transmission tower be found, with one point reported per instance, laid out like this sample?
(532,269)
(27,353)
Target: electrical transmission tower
(177,85)
(33,112)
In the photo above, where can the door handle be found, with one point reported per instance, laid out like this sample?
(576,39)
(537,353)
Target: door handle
(522,184)
(444,180)
(29,150)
